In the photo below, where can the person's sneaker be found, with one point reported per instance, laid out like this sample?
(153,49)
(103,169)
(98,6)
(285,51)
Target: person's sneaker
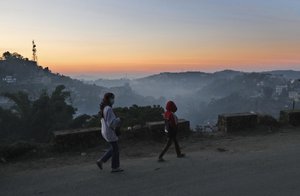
(117,170)
(100,164)
(161,159)
(181,155)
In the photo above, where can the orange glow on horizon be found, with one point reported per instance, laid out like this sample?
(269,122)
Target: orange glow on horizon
(153,36)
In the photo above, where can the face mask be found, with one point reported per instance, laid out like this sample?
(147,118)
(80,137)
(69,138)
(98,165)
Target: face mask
(112,101)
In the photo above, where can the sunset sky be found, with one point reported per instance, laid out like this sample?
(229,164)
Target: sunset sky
(139,36)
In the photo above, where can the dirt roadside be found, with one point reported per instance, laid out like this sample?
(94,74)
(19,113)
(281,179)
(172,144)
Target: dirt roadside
(141,149)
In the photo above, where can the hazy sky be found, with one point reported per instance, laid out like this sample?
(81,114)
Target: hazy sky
(132,36)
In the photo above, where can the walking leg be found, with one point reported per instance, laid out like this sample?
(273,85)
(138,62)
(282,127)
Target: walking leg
(177,148)
(169,142)
(115,161)
(106,155)
(104,158)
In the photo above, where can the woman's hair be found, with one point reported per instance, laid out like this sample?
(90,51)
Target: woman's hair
(105,102)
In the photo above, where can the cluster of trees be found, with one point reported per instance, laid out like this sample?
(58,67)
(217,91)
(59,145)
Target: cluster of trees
(130,116)
(139,115)
(35,120)
(7,56)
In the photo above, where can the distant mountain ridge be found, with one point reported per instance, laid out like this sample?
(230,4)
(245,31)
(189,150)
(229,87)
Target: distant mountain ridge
(202,96)
(289,74)
(196,76)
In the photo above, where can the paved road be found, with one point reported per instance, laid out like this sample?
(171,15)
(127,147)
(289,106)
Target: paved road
(261,172)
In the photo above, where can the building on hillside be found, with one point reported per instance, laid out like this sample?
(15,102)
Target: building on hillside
(280,88)
(9,79)
(297,90)
(293,95)
(261,83)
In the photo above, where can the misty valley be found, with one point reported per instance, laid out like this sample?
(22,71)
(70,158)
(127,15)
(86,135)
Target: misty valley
(200,96)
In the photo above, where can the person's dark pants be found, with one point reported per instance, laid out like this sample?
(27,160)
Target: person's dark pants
(112,152)
(169,143)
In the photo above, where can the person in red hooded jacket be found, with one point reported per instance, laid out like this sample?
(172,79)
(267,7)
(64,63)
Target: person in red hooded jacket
(171,128)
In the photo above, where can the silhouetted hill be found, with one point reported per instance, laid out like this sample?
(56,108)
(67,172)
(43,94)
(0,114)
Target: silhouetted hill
(226,74)
(31,78)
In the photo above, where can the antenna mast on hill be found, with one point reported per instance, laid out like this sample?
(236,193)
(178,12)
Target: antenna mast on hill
(34,56)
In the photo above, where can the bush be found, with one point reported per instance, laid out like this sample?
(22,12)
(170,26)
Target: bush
(139,115)
(16,149)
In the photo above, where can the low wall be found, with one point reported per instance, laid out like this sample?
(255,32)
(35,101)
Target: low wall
(92,137)
(291,117)
(237,122)
(158,128)
(88,137)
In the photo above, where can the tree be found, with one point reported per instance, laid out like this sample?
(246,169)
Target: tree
(10,125)
(17,56)
(40,117)
(23,104)
(58,106)
(21,111)
(51,113)
(6,55)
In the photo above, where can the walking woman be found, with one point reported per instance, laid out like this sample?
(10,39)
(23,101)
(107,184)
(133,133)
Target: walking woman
(109,126)
(171,127)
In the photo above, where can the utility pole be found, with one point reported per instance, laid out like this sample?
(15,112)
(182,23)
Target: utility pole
(294,101)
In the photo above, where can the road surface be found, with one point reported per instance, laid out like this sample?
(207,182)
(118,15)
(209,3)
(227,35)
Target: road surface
(268,170)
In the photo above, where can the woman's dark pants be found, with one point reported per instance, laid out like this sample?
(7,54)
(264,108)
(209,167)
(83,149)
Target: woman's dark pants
(112,152)
(171,138)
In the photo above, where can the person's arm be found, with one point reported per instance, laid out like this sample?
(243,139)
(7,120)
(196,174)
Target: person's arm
(111,119)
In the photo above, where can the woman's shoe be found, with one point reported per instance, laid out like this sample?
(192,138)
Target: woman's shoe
(117,170)
(100,164)
(181,155)
(161,159)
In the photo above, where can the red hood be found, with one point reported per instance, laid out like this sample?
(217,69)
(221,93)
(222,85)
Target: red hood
(171,108)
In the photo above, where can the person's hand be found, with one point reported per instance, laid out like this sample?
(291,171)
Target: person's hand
(119,122)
